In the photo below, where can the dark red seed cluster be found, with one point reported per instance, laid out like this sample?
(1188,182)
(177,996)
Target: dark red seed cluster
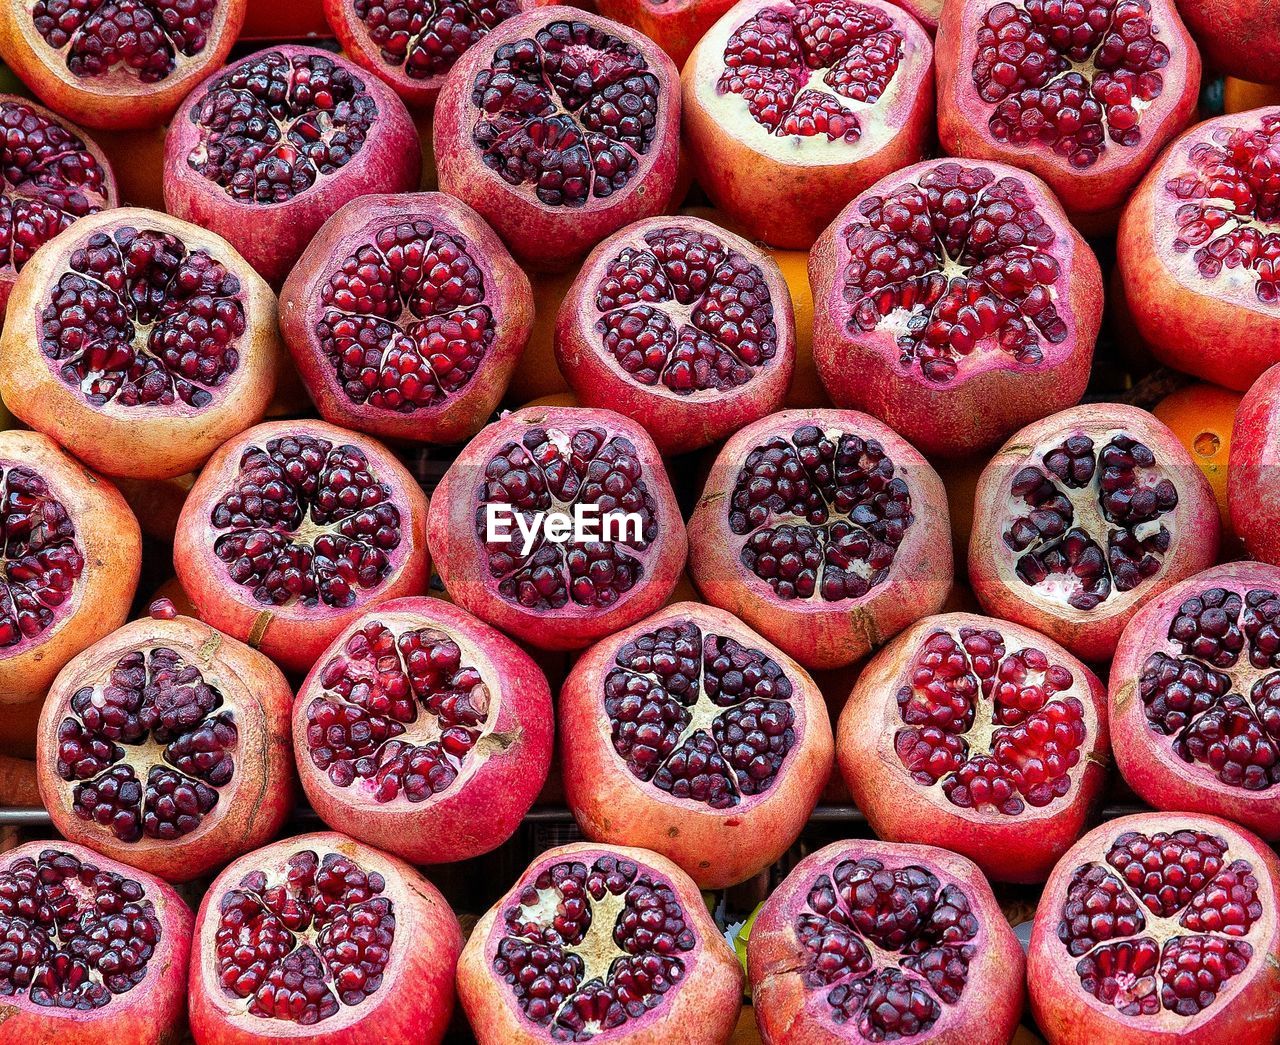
(426,37)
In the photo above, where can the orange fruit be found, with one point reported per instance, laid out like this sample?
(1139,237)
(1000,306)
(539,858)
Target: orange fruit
(1239,95)
(960,476)
(537,375)
(1201,416)
(555,399)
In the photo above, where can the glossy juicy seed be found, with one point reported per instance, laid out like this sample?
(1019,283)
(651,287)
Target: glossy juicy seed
(701,716)
(613,920)
(797,68)
(424,38)
(404,323)
(1076,502)
(555,471)
(72,936)
(153,718)
(995,729)
(306,521)
(1227,206)
(302,942)
(137,319)
(1067,76)
(569,112)
(382,686)
(272,125)
(42,556)
(142,38)
(971,261)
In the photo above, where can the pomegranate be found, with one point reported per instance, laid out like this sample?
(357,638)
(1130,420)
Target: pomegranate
(166,745)
(560,127)
(1238,37)
(320,939)
(824,531)
(954,301)
(91,951)
(600,942)
(1084,94)
(681,326)
(292,529)
(406,316)
(1082,518)
(690,735)
(117,64)
(543,467)
(140,343)
(1198,247)
(870,941)
(792,109)
(69,567)
(674,25)
(1159,928)
(978,735)
(1251,478)
(926,12)
(262,152)
(424,732)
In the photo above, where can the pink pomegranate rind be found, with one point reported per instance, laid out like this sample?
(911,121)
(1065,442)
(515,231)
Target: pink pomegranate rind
(870,941)
(1159,927)
(689,735)
(320,939)
(608,943)
(978,735)
(166,745)
(1253,493)
(560,127)
(1238,37)
(405,317)
(926,12)
(555,461)
(791,110)
(1195,697)
(824,531)
(265,150)
(1083,518)
(955,302)
(681,326)
(674,25)
(1085,95)
(127,985)
(295,527)
(1198,250)
(424,732)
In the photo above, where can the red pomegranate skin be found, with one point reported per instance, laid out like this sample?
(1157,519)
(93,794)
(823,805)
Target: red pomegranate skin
(496,779)
(1252,491)
(272,232)
(699,1007)
(151,1010)
(674,25)
(1238,37)
(1243,1011)
(1196,248)
(798,986)
(413,997)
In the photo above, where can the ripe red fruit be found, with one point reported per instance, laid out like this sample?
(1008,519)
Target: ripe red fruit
(1084,517)
(674,25)
(871,941)
(405,317)
(1251,479)
(73,557)
(1085,95)
(1197,250)
(166,745)
(117,65)
(263,151)
(292,530)
(140,343)
(792,109)
(318,938)
(560,127)
(93,951)
(980,736)
(640,955)
(1158,928)
(824,531)
(681,326)
(547,463)
(1238,37)
(955,340)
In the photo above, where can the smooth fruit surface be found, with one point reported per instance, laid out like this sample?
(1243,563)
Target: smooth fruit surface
(1239,37)
(1253,492)
(1202,416)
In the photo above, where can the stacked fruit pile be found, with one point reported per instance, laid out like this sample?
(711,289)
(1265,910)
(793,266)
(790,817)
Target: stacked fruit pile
(681,412)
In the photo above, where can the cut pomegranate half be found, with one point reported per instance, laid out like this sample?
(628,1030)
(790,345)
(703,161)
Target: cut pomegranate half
(792,109)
